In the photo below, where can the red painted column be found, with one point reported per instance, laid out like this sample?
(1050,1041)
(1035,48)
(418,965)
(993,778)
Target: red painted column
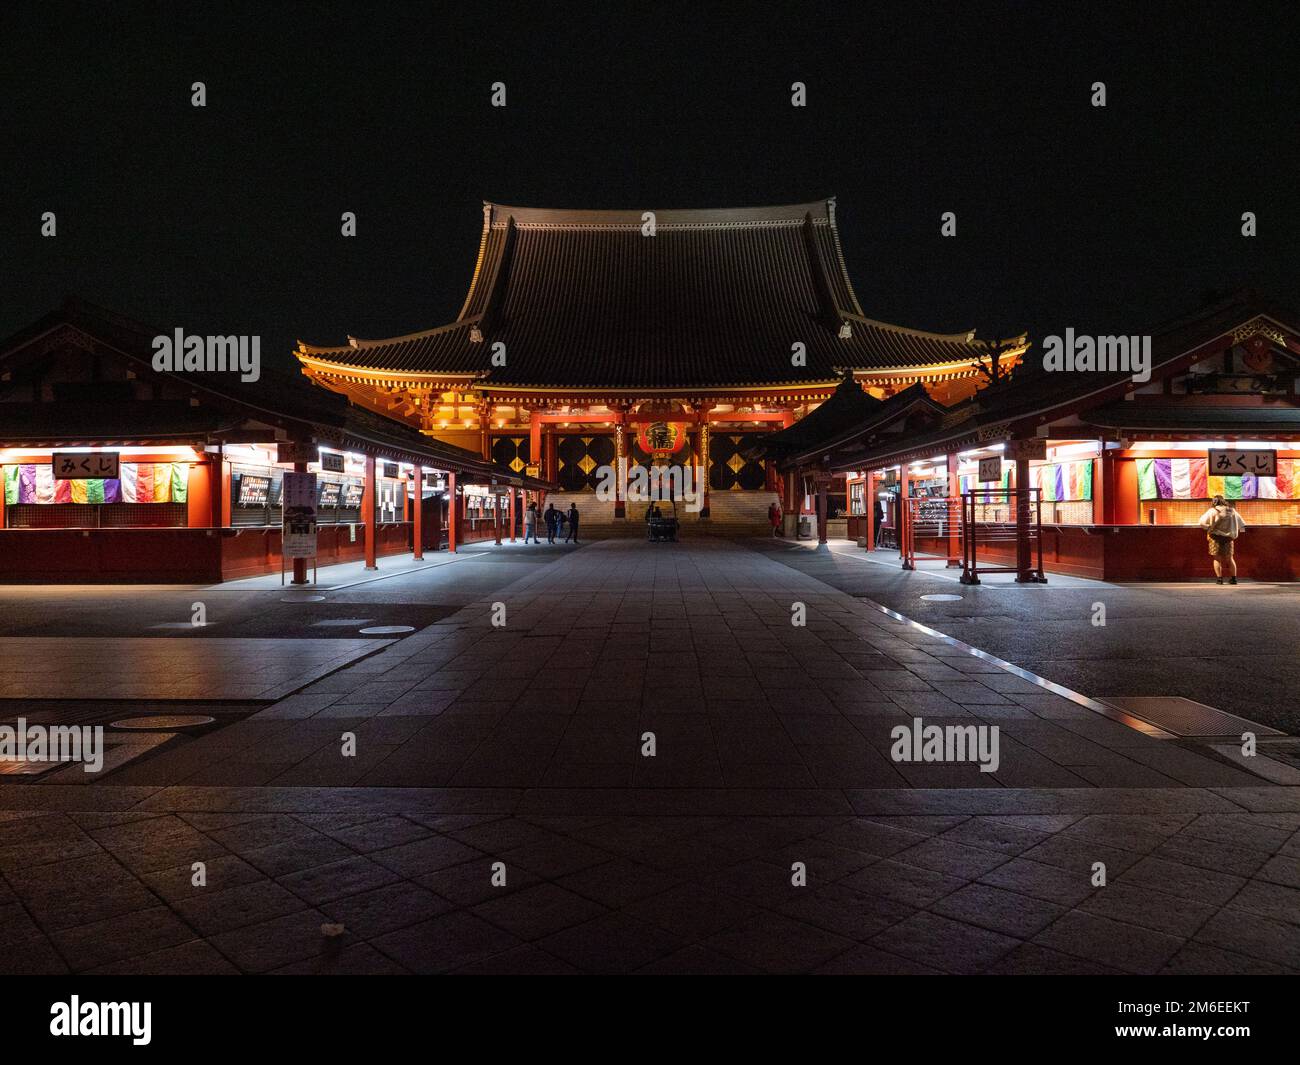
(512,514)
(620,460)
(1105,489)
(1024,561)
(954,512)
(535,439)
(496,515)
(869,498)
(417,515)
(901,517)
(485,428)
(367,514)
(823,488)
(453,513)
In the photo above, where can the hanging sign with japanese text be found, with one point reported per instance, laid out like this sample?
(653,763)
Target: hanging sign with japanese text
(85,465)
(1230,462)
(991,469)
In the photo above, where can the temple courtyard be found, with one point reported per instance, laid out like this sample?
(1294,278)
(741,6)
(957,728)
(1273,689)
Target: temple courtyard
(632,757)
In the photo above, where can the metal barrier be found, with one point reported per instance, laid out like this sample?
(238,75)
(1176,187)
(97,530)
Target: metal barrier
(934,522)
(990,517)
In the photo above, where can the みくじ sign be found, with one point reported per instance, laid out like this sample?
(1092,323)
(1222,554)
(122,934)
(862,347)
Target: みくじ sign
(85,465)
(1230,462)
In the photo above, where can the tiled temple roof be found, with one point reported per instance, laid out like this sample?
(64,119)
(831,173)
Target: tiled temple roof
(715,297)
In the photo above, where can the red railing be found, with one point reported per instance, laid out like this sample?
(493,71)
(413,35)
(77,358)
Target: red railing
(932,528)
(1003,525)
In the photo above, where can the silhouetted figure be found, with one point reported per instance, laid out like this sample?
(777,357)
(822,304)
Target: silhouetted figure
(552,519)
(573,524)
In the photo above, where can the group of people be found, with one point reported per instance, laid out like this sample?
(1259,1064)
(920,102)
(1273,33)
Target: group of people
(557,522)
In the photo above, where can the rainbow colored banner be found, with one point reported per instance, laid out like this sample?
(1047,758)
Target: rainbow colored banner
(1188,479)
(141,482)
(971,481)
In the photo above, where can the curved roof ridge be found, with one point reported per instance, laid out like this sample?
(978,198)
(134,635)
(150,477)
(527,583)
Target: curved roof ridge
(319,349)
(964,336)
(497,214)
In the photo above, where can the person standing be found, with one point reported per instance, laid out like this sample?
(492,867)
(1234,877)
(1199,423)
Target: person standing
(530,523)
(573,523)
(878,516)
(774,516)
(1222,525)
(552,516)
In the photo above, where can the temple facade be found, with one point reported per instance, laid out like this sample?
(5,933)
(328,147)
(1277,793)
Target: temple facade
(596,341)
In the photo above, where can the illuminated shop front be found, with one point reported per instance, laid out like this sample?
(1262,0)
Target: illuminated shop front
(184,473)
(1121,470)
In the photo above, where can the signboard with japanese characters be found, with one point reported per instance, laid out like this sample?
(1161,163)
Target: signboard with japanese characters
(289,451)
(1032,447)
(298,533)
(85,465)
(991,469)
(331,462)
(1230,462)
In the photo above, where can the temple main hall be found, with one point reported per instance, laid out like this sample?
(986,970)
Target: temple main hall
(591,340)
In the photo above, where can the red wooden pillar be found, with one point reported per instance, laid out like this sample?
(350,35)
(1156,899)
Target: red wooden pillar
(367,514)
(904,525)
(496,515)
(1104,489)
(552,462)
(535,439)
(869,498)
(417,515)
(453,512)
(485,408)
(620,460)
(512,514)
(1024,556)
(216,483)
(954,512)
(823,481)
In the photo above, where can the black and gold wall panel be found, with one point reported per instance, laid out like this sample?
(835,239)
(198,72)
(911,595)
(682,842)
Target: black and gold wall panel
(580,459)
(729,470)
(511,451)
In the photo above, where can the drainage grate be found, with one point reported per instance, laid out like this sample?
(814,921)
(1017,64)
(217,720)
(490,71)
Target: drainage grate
(942,598)
(1185,717)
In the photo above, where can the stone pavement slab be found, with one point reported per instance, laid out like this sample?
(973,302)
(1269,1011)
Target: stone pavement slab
(499,814)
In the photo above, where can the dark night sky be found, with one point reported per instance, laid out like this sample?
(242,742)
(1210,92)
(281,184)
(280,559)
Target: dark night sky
(226,219)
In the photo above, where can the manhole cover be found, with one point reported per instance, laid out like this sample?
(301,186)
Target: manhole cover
(942,598)
(302,599)
(386,630)
(1186,717)
(162,722)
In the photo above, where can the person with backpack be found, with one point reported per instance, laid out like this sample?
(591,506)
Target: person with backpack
(552,517)
(1222,525)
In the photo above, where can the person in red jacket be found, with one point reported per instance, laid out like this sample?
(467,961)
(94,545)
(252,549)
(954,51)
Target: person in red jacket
(774,516)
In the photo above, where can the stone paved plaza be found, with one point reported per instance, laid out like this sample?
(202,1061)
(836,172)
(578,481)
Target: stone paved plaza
(522,744)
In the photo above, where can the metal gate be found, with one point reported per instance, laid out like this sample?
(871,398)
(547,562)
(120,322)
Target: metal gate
(932,528)
(989,528)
